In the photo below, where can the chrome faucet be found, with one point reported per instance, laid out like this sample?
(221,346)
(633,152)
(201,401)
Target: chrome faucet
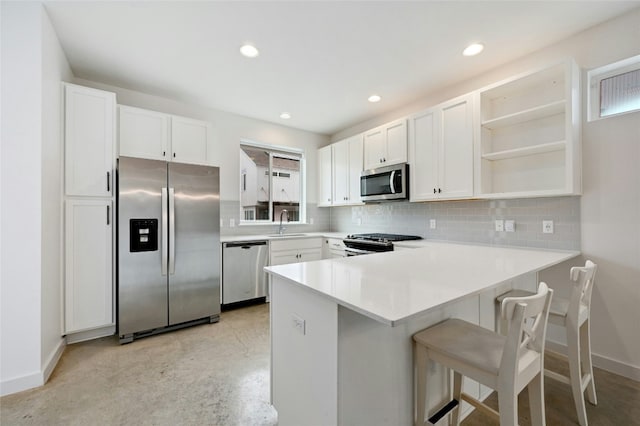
(282,228)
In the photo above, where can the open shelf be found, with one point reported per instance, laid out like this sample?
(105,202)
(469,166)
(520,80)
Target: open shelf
(538,112)
(522,152)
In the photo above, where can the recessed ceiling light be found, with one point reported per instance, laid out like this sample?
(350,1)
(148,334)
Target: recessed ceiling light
(374,98)
(473,49)
(249,51)
(285,115)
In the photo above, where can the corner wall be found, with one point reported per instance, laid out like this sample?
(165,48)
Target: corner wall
(20,195)
(610,205)
(55,68)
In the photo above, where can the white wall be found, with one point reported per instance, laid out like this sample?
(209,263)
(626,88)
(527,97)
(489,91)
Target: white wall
(610,206)
(33,65)
(55,69)
(20,193)
(229,129)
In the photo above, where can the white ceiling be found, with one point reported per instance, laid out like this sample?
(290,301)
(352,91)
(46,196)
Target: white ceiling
(318,60)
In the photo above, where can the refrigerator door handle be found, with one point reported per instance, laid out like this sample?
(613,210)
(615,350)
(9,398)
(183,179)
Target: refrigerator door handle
(165,231)
(172,231)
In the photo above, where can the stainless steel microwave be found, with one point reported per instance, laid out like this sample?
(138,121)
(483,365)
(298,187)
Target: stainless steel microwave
(385,183)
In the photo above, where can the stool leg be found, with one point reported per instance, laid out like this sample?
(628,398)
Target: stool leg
(536,400)
(508,407)
(457,391)
(420,361)
(575,374)
(585,354)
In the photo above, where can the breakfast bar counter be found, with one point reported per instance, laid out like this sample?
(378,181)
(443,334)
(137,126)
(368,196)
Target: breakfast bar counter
(341,328)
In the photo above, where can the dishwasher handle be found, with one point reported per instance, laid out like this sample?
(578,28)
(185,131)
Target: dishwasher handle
(245,244)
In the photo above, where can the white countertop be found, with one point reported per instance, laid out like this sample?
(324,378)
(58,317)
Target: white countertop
(285,236)
(395,286)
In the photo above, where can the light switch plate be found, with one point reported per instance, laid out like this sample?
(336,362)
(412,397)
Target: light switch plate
(232,223)
(432,224)
(310,221)
(499,225)
(547,226)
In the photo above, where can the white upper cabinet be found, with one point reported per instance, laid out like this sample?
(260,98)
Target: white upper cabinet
(386,145)
(325,178)
(529,135)
(143,133)
(441,151)
(89,141)
(191,141)
(347,166)
(157,136)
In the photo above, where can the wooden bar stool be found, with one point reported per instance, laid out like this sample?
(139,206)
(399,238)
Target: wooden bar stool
(507,364)
(573,314)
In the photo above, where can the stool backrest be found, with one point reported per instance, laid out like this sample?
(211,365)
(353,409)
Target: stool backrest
(584,277)
(527,325)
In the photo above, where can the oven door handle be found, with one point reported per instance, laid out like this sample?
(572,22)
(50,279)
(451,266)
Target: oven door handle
(391,179)
(350,251)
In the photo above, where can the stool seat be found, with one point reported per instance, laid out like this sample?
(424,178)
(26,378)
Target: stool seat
(476,346)
(507,364)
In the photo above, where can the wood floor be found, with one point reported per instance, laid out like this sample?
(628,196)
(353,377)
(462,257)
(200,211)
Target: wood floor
(218,374)
(618,401)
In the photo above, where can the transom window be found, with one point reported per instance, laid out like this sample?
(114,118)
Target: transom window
(271,180)
(614,89)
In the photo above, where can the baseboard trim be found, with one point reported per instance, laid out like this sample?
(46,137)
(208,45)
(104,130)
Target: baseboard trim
(605,363)
(91,334)
(53,359)
(20,384)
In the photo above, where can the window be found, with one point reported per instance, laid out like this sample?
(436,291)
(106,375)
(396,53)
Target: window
(614,89)
(271,180)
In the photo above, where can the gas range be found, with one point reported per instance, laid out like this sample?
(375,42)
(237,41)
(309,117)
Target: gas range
(359,244)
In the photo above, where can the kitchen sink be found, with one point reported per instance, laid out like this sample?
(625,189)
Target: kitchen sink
(286,235)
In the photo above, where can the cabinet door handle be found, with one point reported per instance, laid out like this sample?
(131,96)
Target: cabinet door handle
(439,190)
(164,153)
(434,190)
(108,216)
(108,181)
(174,155)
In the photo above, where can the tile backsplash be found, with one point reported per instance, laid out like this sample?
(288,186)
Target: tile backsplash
(470,221)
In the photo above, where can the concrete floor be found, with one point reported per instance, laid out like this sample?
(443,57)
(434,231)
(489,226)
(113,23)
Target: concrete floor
(218,374)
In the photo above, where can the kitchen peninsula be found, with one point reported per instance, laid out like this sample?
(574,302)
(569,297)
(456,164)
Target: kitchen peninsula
(341,328)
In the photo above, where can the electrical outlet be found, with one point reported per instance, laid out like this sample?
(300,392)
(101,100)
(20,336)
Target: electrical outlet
(510,225)
(299,324)
(432,224)
(547,226)
(232,223)
(499,225)
(310,221)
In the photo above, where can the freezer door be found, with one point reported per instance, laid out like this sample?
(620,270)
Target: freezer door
(142,287)
(194,242)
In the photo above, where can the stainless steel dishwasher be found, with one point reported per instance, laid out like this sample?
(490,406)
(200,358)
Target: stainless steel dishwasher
(243,277)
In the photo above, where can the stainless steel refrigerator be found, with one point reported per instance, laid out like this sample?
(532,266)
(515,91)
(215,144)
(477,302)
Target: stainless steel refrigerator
(168,246)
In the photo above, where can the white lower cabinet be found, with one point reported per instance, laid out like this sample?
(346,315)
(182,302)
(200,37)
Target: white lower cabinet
(88,264)
(295,250)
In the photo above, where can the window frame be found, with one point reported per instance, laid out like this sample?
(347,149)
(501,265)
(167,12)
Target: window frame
(286,152)
(596,75)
